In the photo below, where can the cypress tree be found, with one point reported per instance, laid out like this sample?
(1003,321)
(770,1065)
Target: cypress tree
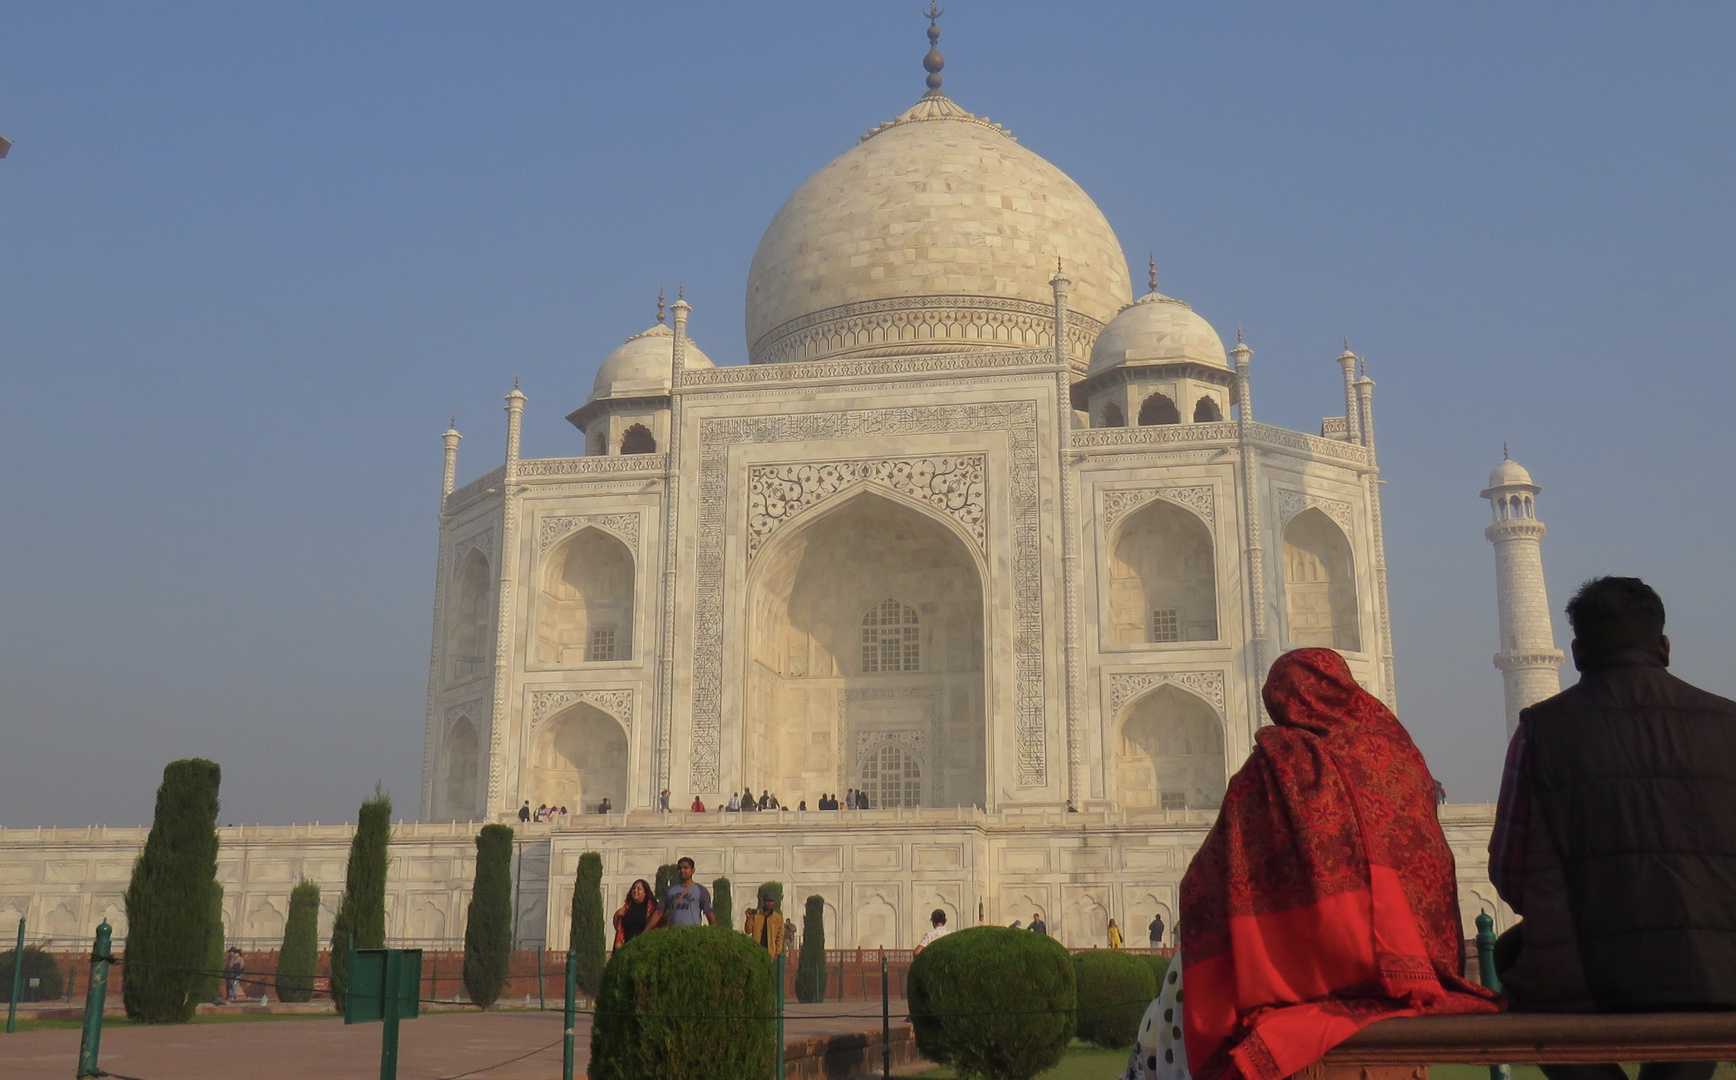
(212,987)
(722,904)
(488,924)
(167,936)
(776,888)
(361,918)
(586,939)
(298,961)
(811,963)
(667,876)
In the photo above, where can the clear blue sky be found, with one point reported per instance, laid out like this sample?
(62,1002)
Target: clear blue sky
(251,257)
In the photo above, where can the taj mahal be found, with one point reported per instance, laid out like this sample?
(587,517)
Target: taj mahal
(981,530)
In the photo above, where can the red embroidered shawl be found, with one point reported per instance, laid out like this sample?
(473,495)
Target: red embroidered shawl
(1324,898)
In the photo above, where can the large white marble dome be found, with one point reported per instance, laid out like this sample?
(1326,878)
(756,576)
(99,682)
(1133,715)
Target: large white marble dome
(936,229)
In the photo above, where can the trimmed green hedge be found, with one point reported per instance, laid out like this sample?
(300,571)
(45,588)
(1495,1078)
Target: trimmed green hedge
(298,962)
(1159,966)
(1115,989)
(686,1001)
(37,965)
(993,1002)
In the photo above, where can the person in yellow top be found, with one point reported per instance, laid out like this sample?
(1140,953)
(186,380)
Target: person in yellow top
(1114,935)
(766,925)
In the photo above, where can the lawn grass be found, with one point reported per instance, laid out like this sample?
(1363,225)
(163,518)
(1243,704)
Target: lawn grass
(1083,1062)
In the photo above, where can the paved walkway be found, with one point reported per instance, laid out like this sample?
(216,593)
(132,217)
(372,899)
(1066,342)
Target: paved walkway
(435,1046)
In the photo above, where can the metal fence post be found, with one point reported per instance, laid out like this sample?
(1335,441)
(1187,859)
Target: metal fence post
(542,1001)
(1487,975)
(389,1009)
(95,997)
(885,1019)
(567,1028)
(17,981)
(780,1016)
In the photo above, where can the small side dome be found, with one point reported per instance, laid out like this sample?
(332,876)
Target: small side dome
(1509,474)
(640,366)
(1156,328)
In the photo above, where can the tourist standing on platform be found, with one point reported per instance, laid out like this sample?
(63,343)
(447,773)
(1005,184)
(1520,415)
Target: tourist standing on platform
(698,807)
(1615,835)
(1038,926)
(765,924)
(687,903)
(1114,935)
(862,800)
(937,929)
(663,801)
(524,811)
(637,914)
(1155,931)
(734,803)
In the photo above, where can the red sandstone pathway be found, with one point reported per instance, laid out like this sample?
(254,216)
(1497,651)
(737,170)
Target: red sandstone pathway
(432,1047)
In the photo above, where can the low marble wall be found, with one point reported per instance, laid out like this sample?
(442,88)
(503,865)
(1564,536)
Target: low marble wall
(880,872)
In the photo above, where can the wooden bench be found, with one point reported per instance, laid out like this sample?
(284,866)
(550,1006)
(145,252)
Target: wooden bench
(1404,1048)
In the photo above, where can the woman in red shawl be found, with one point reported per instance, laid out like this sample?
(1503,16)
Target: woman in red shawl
(1324,898)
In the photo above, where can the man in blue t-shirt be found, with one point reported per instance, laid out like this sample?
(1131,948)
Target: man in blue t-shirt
(687,902)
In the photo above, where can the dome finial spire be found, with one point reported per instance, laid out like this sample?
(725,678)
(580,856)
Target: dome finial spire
(1505,456)
(661,315)
(1151,267)
(933,61)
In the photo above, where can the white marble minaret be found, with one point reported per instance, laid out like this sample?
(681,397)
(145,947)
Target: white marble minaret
(1529,661)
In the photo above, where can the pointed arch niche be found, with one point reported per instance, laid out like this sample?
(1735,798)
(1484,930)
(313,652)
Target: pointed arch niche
(1319,584)
(1162,578)
(1170,754)
(460,771)
(866,630)
(585,611)
(467,629)
(578,759)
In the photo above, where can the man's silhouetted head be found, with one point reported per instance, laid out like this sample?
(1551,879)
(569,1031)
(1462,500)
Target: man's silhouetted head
(1612,615)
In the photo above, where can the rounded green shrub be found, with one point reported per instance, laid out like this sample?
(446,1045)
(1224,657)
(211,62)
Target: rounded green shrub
(686,1001)
(38,965)
(1159,966)
(1115,989)
(993,1002)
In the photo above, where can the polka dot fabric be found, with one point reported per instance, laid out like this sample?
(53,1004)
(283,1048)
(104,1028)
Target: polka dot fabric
(1159,1052)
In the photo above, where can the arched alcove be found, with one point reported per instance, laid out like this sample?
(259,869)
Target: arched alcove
(579,758)
(1158,409)
(467,628)
(1112,416)
(461,772)
(891,776)
(1206,411)
(865,626)
(1171,753)
(1162,578)
(637,439)
(585,612)
(1320,583)
(265,922)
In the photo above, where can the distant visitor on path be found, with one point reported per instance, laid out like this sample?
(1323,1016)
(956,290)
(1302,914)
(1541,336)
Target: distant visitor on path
(937,929)
(232,968)
(1155,930)
(687,903)
(1325,897)
(1615,834)
(1114,935)
(765,925)
(1038,926)
(636,915)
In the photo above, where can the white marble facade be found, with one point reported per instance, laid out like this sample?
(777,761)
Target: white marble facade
(975,530)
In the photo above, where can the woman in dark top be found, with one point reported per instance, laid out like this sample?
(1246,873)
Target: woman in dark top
(635,914)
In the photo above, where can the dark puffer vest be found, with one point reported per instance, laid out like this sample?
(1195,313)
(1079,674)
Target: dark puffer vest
(1634,773)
